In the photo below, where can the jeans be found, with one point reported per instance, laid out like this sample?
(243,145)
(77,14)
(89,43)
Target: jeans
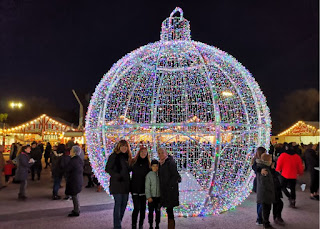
(36,168)
(120,204)
(23,187)
(154,206)
(277,209)
(314,186)
(170,213)
(46,159)
(76,205)
(291,184)
(259,213)
(139,206)
(56,185)
(266,208)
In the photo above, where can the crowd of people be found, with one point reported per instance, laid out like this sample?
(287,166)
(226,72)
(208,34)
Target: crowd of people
(154,183)
(277,172)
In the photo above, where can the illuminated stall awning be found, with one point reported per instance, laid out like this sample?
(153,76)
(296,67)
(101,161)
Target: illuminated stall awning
(302,128)
(42,125)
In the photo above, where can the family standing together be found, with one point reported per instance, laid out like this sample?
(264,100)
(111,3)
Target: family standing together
(155,182)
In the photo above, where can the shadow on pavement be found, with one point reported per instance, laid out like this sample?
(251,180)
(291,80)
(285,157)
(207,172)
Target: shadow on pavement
(29,215)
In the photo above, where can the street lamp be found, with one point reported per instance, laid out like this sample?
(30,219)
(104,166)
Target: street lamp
(14,105)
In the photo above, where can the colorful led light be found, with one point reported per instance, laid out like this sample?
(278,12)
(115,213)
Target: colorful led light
(195,100)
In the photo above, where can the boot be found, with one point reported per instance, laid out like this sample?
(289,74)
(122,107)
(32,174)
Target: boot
(292,203)
(171,224)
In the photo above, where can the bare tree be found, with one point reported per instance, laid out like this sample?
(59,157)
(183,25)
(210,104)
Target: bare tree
(298,105)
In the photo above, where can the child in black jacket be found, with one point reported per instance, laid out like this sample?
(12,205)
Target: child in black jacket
(265,187)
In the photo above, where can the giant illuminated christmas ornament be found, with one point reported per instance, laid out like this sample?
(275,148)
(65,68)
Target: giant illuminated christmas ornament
(193,99)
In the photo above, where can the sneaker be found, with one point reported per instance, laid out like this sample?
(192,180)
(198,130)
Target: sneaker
(68,198)
(279,221)
(314,197)
(259,223)
(56,197)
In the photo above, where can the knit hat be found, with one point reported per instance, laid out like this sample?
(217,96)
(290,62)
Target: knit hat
(154,162)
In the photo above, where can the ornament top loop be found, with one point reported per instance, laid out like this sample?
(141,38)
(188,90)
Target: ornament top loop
(177,9)
(175,28)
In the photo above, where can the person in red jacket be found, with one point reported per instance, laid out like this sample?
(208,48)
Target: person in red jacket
(290,165)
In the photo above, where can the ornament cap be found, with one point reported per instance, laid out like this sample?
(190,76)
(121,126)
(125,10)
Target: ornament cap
(175,28)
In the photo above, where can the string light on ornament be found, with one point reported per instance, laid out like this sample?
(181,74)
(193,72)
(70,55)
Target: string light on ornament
(194,99)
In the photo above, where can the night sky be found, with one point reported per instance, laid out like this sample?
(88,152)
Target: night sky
(48,48)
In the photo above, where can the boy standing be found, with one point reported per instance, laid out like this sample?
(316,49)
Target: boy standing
(152,190)
(265,188)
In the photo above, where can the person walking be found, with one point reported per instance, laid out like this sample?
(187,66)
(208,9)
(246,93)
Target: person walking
(152,190)
(259,152)
(36,154)
(265,188)
(312,161)
(87,171)
(47,154)
(118,166)
(289,165)
(169,188)
(74,175)
(24,165)
(57,174)
(140,169)
(2,164)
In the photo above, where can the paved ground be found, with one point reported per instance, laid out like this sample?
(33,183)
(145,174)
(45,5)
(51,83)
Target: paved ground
(39,211)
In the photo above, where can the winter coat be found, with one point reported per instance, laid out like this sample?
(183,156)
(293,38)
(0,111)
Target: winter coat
(152,185)
(140,169)
(265,185)
(312,159)
(63,164)
(169,179)
(74,175)
(118,168)
(47,152)
(36,154)
(2,163)
(277,185)
(23,166)
(87,170)
(55,163)
(13,151)
(8,169)
(289,165)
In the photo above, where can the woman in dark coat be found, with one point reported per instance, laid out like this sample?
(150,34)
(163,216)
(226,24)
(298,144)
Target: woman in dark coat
(312,161)
(140,169)
(47,154)
(74,175)
(24,165)
(118,166)
(56,169)
(169,184)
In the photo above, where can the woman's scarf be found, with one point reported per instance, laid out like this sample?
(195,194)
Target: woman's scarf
(163,161)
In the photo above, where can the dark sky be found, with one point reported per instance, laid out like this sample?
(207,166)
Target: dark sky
(49,47)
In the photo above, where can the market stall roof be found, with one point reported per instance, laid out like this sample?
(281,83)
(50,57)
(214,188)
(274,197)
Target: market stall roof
(306,128)
(41,124)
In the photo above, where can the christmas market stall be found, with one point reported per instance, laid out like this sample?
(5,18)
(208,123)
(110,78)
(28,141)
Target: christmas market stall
(43,129)
(301,132)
